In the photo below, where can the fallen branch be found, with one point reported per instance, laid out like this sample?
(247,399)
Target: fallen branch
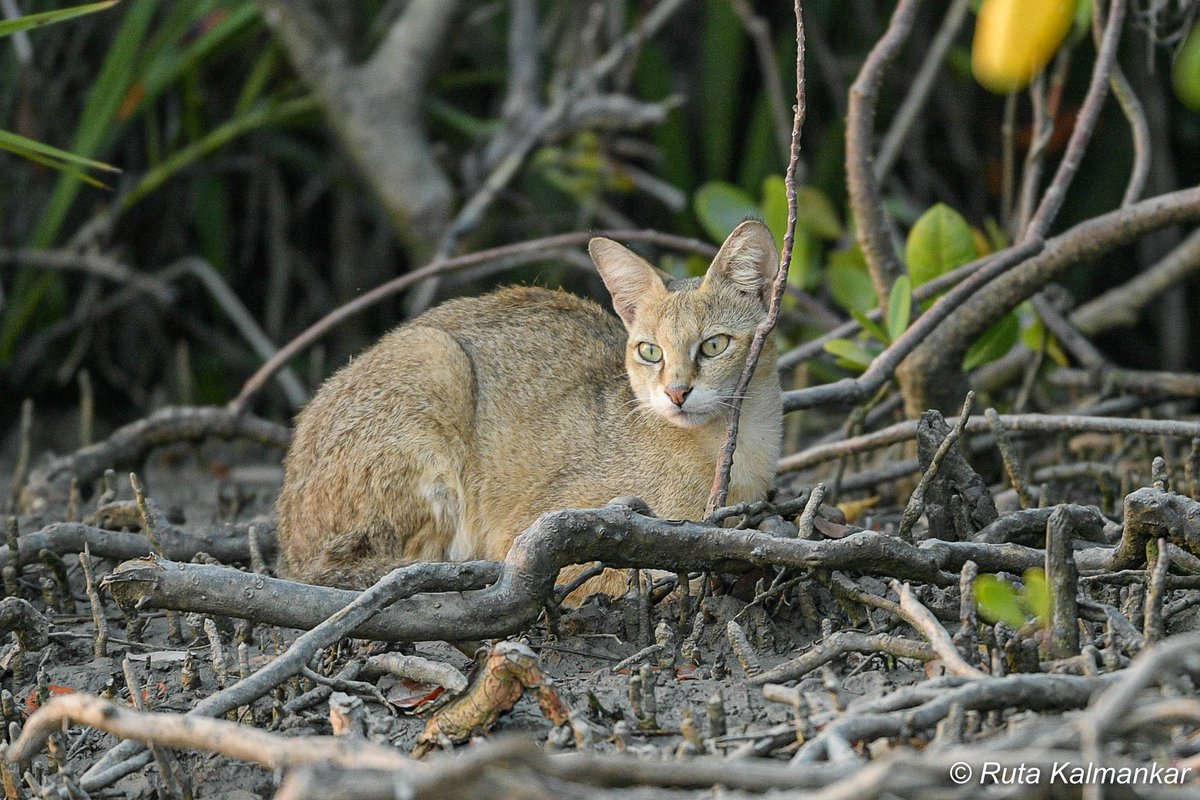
(226,543)
(182,731)
(132,443)
(522,583)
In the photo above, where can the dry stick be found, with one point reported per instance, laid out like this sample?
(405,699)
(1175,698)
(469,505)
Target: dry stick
(1045,114)
(1008,159)
(720,487)
(179,731)
(168,766)
(1121,305)
(1008,454)
(398,584)
(966,637)
(853,390)
(1062,577)
(150,528)
(133,442)
(807,518)
(87,408)
(101,645)
(921,618)
(838,645)
(1074,342)
(224,543)
(1153,629)
(916,502)
(1013,423)
(533,247)
(873,229)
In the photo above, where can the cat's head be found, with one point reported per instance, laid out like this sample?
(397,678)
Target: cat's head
(688,339)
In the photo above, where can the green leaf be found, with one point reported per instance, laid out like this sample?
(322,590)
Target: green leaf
(10,26)
(940,241)
(899,307)
(871,326)
(54,158)
(850,354)
(995,342)
(999,601)
(815,211)
(848,281)
(111,86)
(1186,72)
(721,207)
(1037,594)
(774,206)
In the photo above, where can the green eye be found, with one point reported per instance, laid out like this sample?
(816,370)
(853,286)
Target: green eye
(714,345)
(649,352)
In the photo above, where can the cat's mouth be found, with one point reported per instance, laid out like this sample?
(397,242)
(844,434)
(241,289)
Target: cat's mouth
(685,418)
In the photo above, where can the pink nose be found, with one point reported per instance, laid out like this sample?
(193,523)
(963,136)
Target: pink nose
(678,393)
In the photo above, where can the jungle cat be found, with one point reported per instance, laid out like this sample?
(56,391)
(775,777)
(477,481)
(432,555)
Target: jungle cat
(457,430)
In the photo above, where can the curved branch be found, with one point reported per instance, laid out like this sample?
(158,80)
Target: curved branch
(135,441)
(614,534)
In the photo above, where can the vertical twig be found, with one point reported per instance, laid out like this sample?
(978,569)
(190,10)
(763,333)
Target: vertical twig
(1012,462)
(150,527)
(874,234)
(1153,629)
(966,638)
(720,487)
(916,502)
(87,408)
(1008,160)
(1062,578)
(24,452)
(101,645)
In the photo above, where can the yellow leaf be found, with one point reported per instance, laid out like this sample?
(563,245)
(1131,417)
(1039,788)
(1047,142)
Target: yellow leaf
(1015,39)
(853,509)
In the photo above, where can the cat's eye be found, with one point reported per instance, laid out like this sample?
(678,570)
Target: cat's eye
(714,345)
(649,352)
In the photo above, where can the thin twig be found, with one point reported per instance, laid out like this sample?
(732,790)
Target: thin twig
(720,487)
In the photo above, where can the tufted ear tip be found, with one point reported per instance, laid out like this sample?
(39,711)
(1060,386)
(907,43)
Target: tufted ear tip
(748,260)
(630,279)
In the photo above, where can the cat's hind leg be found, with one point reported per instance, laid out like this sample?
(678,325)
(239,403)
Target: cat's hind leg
(374,478)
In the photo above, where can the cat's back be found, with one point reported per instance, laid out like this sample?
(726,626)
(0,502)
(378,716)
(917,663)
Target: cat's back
(529,328)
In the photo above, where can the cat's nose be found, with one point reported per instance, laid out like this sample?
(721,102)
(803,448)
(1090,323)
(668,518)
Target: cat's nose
(678,393)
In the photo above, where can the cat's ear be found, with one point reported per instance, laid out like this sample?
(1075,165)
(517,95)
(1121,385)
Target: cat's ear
(747,262)
(630,279)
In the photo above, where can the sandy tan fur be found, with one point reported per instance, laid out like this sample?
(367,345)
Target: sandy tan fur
(458,430)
